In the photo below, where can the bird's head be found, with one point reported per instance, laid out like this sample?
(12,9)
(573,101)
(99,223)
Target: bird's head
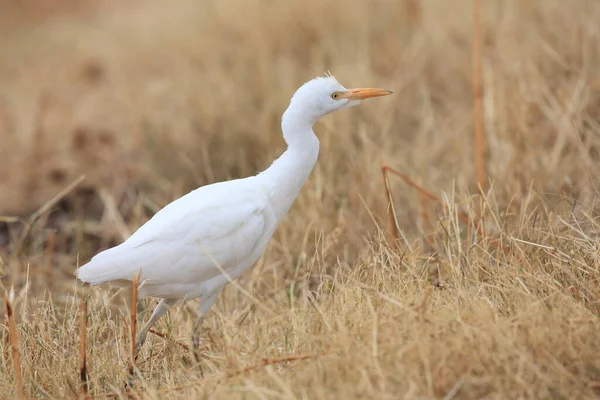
(322,95)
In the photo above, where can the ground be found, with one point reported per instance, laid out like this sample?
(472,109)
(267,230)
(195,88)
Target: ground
(109,112)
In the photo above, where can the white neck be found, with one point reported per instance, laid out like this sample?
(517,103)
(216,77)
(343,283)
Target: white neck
(289,172)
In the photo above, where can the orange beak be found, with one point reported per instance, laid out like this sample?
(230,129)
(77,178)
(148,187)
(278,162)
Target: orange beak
(364,93)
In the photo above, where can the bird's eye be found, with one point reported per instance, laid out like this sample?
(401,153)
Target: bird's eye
(335,95)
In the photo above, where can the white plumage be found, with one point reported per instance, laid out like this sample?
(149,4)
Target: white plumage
(179,251)
(195,245)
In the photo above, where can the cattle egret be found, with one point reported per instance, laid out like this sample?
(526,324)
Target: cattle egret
(197,244)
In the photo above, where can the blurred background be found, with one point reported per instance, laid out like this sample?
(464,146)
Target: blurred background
(111,109)
(149,100)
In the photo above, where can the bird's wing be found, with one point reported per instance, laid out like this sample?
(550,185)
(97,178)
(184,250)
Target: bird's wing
(191,240)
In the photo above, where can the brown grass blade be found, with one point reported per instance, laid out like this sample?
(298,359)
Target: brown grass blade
(427,225)
(270,361)
(14,344)
(182,345)
(393,217)
(425,194)
(111,209)
(43,209)
(479,131)
(83,371)
(134,300)
(414,13)
(59,196)
(50,255)
(263,363)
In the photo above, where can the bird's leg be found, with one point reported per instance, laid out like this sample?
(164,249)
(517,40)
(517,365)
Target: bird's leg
(159,311)
(205,305)
(196,332)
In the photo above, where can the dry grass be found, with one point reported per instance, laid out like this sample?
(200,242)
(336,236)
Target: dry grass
(149,101)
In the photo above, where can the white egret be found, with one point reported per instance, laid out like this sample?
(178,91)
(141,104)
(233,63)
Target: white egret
(200,242)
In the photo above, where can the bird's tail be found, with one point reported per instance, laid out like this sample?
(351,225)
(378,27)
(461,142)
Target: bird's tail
(102,268)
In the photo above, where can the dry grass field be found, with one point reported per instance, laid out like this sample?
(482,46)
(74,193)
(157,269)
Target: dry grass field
(148,100)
